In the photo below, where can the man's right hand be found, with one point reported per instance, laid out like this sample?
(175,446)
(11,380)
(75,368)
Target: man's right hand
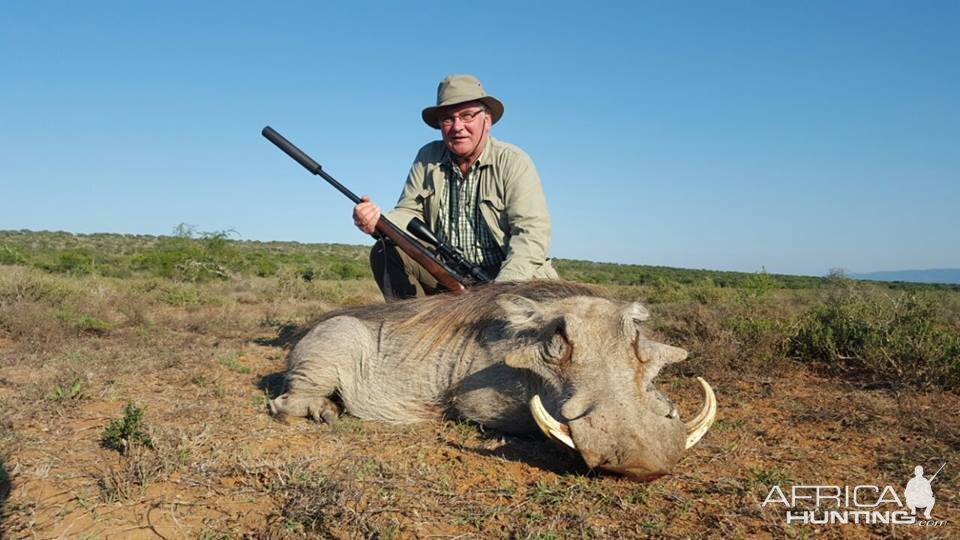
(365,215)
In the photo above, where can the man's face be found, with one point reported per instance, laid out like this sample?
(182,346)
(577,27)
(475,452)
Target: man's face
(463,136)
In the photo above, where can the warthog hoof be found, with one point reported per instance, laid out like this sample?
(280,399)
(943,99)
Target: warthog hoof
(319,408)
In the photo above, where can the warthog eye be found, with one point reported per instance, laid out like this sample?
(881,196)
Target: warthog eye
(558,348)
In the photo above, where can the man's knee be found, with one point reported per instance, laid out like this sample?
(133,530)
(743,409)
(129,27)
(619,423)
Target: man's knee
(398,275)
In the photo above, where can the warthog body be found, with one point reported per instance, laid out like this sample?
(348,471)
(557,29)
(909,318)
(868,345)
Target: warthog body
(485,355)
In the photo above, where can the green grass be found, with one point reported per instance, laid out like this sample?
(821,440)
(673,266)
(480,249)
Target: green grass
(61,393)
(232,362)
(767,477)
(195,256)
(98,285)
(187,256)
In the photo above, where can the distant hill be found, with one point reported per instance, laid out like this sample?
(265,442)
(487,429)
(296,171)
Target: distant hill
(934,275)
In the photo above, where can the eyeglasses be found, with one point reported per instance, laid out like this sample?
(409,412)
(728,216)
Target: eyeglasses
(466,117)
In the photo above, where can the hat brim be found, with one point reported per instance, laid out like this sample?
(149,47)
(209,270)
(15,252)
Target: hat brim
(431,115)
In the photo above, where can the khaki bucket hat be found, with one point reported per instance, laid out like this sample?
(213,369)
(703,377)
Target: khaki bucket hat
(456,89)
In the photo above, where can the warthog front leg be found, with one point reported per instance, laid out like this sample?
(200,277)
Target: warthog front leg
(318,367)
(316,407)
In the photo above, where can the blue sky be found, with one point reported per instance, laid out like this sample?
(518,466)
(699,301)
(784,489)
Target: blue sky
(795,136)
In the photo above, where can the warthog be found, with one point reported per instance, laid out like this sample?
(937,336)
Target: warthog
(517,357)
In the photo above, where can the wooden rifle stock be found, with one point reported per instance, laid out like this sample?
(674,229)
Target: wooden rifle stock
(449,279)
(423,257)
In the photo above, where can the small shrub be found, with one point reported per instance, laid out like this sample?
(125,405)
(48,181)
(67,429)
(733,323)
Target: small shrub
(886,339)
(129,477)
(758,285)
(313,503)
(82,323)
(310,501)
(181,297)
(127,432)
(349,270)
(760,337)
(140,466)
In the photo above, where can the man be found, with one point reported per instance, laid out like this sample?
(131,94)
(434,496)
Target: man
(478,194)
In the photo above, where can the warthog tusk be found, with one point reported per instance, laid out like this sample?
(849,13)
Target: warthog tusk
(698,426)
(549,425)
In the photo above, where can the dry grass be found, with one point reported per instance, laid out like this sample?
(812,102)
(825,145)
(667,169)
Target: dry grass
(202,359)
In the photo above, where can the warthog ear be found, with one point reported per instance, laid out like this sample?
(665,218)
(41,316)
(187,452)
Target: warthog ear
(632,317)
(522,313)
(637,312)
(544,339)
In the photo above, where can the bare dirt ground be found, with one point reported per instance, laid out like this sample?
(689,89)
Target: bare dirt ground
(221,467)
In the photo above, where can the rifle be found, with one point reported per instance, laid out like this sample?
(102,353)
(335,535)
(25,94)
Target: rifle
(936,473)
(446,276)
(449,253)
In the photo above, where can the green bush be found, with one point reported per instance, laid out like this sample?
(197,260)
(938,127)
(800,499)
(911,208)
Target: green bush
(265,268)
(349,270)
(10,255)
(758,285)
(124,433)
(761,338)
(76,263)
(882,338)
(82,323)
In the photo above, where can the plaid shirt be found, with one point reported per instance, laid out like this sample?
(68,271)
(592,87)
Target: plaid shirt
(460,223)
(509,200)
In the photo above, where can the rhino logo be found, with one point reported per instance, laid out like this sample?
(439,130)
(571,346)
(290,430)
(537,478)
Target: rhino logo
(919,494)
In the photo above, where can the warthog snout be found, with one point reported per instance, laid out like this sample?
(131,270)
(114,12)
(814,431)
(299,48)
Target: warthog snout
(642,452)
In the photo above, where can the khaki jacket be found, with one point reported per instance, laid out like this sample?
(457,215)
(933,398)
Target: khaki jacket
(511,202)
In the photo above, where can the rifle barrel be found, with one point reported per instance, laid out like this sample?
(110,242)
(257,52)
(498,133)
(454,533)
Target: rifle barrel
(384,226)
(308,163)
(936,473)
